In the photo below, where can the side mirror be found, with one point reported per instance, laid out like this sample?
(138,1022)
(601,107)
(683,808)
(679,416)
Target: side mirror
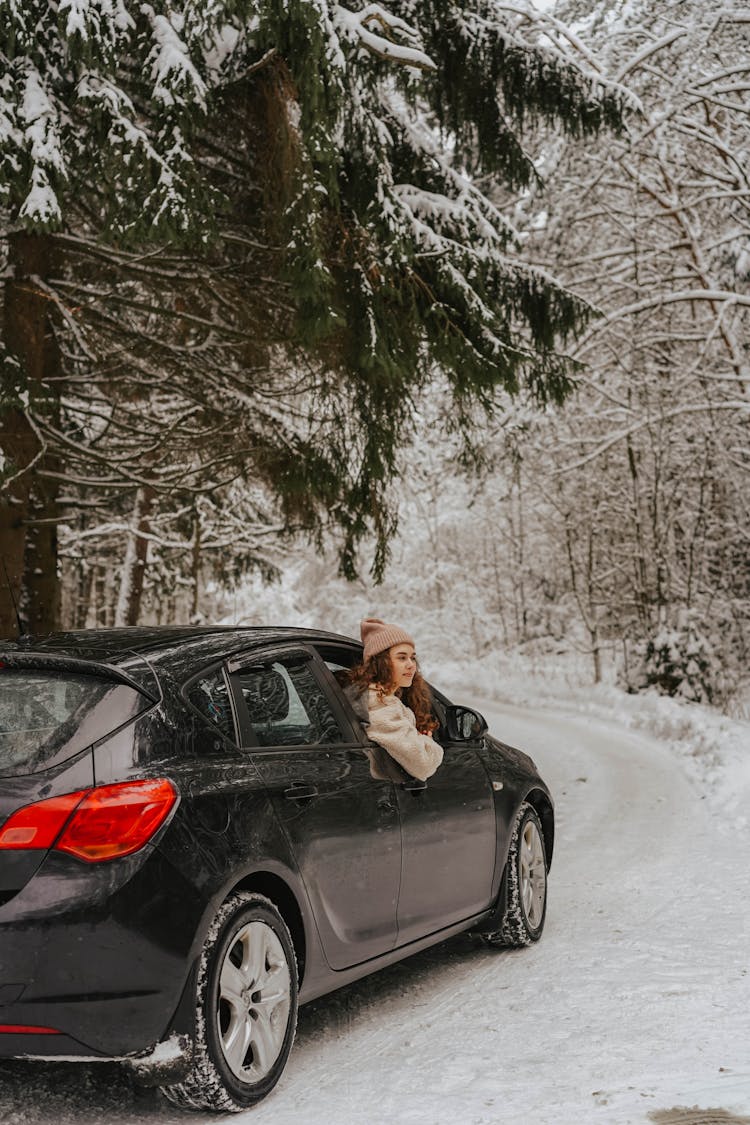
(464,725)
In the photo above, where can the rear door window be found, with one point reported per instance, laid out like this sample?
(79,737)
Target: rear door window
(286,705)
(46,717)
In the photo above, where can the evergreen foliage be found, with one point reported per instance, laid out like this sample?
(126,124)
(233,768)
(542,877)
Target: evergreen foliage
(309,179)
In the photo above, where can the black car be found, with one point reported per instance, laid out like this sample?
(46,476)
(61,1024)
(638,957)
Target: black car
(196,836)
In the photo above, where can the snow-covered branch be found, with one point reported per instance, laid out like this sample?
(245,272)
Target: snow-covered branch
(383,34)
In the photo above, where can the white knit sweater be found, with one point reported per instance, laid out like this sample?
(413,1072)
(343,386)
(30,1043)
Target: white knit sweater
(393,726)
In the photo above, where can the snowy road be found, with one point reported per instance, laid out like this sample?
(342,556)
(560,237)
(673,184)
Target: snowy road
(636,1000)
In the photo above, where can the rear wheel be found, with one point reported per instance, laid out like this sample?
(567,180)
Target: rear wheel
(526,874)
(246,1008)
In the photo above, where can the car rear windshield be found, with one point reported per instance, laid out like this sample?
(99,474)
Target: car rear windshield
(47,717)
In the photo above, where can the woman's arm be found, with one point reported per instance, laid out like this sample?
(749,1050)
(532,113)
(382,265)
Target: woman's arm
(393,727)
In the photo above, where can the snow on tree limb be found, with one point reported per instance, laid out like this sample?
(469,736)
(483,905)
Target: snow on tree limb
(604,446)
(174,76)
(359,25)
(93,20)
(40,129)
(648,50)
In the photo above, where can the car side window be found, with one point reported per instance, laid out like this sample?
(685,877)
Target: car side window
(210,695)
(286,705)
(338,657)
(339,661)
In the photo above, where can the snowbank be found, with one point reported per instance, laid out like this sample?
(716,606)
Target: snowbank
(713,749)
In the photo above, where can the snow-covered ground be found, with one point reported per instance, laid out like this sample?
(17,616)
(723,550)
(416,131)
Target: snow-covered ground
(636,1000)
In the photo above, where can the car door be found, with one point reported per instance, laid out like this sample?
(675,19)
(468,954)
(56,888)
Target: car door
(448,826)
(448,843)
(339,813)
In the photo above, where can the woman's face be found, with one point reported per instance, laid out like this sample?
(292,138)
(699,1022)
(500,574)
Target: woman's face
(403,660)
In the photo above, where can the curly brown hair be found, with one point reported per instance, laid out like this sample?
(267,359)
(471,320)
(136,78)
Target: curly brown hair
(378,672)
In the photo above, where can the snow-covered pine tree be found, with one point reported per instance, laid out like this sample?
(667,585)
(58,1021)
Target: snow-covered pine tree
(96,105)
(342,151)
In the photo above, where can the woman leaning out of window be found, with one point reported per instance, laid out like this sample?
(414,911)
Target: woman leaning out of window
(389,694)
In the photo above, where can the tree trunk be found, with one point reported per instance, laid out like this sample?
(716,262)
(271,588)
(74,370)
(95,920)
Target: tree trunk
(42,593)
(134,566)
(596,654)
(195,571)
(592,623)
(18,445)
(84,584)
(29,338)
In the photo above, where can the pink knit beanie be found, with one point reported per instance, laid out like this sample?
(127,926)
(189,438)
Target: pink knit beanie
(377,636)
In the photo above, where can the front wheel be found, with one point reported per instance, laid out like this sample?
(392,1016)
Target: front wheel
(246,1008)
(526,874)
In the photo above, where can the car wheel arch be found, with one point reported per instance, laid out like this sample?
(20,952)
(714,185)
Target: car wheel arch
(281,894)
(246,977)
(542,806)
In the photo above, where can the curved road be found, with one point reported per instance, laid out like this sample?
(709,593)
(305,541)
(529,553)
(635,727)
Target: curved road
(636,1000)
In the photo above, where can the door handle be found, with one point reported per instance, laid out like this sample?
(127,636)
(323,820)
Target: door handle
(414,785)
(298,791)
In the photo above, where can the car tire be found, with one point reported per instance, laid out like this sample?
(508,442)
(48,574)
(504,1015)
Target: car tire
(526,874)
(242,1037)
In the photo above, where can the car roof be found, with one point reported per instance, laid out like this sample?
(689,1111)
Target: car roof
(175,649)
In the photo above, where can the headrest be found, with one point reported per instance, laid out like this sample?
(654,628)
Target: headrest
(266,696)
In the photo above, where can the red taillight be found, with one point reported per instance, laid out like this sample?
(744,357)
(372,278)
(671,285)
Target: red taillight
(106,823)
(39,825)
(116,820)
(25,1029)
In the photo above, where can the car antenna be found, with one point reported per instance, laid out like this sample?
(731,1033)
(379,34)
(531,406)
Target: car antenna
(21,632)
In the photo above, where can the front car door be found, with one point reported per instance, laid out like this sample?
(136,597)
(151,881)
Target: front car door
(449,844)
(340,815)
(448,828)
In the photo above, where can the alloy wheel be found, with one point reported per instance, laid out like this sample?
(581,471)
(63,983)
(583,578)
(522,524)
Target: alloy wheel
(533,874)
(254,998)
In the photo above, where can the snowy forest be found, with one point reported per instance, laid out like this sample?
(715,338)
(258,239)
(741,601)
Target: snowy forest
(432,310)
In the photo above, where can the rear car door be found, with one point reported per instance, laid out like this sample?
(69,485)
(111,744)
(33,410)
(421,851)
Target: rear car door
(340,816)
